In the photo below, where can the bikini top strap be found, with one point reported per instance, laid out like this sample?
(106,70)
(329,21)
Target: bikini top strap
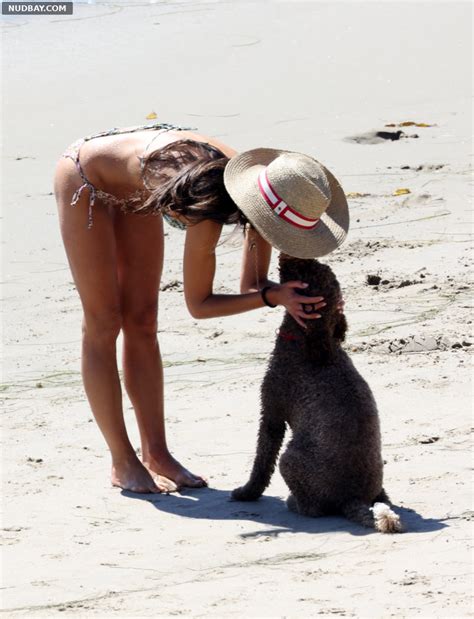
(121,130)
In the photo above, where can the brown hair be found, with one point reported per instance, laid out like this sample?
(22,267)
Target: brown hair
(186,177)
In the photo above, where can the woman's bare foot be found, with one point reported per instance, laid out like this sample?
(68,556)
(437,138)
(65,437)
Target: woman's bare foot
(130,474)
(162,482)
(167,466)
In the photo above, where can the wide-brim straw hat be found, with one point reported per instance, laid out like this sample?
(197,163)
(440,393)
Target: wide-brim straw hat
(293,201)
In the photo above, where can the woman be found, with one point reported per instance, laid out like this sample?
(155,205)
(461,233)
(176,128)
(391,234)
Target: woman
(112,190)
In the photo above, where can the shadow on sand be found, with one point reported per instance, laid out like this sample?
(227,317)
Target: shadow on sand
(213,504)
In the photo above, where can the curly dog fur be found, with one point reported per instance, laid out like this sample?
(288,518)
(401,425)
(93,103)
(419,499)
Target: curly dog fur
(333,462)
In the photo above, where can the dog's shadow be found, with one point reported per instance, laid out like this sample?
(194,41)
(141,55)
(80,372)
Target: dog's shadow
(213,504)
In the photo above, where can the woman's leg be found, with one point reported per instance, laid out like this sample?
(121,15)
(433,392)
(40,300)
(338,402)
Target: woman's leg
(92,258)
(140,245)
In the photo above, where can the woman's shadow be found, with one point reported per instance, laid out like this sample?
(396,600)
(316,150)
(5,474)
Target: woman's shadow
(214,504)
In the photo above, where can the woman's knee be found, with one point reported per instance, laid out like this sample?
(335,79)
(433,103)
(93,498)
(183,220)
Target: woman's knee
(141,321)
(102,326)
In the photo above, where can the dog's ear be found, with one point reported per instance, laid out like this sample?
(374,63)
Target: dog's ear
(319,342)
(340,328)
(324,334)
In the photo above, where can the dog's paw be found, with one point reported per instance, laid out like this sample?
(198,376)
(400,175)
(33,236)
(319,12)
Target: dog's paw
(244,493)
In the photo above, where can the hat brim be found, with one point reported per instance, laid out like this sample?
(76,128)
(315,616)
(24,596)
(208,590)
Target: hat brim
(241,181)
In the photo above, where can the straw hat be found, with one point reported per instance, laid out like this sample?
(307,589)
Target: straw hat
(291,199)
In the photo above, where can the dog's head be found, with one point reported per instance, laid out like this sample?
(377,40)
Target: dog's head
(323,335)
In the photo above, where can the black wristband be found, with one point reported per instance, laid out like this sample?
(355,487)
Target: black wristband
(263,292)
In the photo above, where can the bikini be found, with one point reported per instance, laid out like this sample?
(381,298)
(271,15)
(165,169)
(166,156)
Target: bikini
(137,197)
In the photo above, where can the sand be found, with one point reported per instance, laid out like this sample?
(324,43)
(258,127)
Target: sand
(297,75)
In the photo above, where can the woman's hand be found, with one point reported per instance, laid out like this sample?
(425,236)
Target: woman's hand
(298,306)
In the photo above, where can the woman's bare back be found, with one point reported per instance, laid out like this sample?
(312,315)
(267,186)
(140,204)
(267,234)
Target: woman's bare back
(113,163)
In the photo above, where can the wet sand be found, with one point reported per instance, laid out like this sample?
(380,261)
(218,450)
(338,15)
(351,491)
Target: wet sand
(314,77)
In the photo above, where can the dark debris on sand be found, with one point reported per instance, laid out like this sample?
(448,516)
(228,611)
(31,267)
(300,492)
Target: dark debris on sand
(376,280)
(378,137)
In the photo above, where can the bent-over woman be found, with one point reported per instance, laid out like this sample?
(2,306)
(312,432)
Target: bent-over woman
(113,189)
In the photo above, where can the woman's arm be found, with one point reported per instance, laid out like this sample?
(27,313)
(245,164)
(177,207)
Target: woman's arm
(199,268)
(255,262)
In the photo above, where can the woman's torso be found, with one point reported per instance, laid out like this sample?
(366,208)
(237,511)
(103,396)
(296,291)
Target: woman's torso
(112,162)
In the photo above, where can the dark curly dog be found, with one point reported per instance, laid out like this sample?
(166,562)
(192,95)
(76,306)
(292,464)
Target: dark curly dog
(333,463)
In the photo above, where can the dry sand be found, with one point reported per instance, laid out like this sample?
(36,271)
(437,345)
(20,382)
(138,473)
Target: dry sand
(298,75)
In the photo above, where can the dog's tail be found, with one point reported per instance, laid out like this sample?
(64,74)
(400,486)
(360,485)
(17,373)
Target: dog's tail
(379,517)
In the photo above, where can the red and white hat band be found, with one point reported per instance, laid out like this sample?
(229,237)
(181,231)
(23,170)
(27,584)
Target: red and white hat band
(280,207)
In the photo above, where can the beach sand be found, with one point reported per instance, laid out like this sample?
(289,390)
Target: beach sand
(306,76)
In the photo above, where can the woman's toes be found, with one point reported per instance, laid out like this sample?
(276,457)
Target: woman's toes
(172,475)
(165,484)
(134,477)
(194,481)
(155,489)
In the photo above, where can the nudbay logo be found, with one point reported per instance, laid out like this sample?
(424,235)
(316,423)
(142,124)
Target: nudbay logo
(37,8)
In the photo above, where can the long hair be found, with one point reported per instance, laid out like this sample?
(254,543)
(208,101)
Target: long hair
(186,178)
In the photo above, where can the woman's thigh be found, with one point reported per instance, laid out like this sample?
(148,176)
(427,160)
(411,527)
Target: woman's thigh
(140,249)
(92,253)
